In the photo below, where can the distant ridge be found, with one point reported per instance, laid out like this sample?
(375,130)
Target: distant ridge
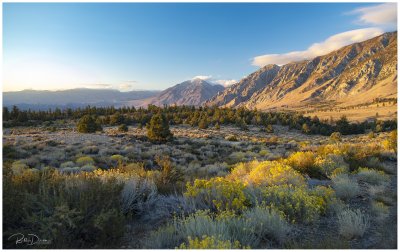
(78,97)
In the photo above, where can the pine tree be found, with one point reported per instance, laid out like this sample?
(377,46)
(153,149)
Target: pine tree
(117,118)
(158,128)
(6,114)
(123,128)
(342,125)
(203,124)
(87,124)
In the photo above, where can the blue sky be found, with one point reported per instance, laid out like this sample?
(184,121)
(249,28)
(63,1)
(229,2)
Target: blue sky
(131,46)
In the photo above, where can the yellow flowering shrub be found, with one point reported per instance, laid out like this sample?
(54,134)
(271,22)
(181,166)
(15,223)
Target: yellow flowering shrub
(273,173)
(266,173)
(242,170)
(207,242)
(331,164)
(297,203)
(220,193)
(304,162)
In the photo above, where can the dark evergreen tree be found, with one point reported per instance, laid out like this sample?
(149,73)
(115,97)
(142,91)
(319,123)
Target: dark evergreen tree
(87,124)
(6,114)
(123,128)
(117,119)
(343,125)
(203,123)
(158,128)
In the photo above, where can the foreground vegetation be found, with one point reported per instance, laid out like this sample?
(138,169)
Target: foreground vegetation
(250,189)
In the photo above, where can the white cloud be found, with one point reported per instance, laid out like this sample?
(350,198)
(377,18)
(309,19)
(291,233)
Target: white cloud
(212,80)
(202,77)
(382,14)
(97,85)
(125,87)
(330,44)
(225,83)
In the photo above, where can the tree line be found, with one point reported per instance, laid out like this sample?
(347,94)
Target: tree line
(202,117)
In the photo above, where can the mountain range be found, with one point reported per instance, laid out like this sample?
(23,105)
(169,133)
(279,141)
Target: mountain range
(352,75)
(79,97)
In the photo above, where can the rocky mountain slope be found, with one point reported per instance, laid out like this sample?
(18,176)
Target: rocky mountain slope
(191,92)
(352,75)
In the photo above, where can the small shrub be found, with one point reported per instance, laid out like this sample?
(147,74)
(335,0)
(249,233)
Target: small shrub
(85,160)
(267,223)
(138,196)
(232,138)
(67,164)
(110,223)
(70,170)
(269,129)
(201,223)
(331,203)
(123,128)
(237,156)
(391,142)
(117,160)
(166,237)
(93,149)
(263,153)
(380,211)
(249,229)
(170,175)
(327,242)
(18,167)
(345,187)
(336,137)
(88,168)
(371,135)
(331,164)
(207,242)
(372,176)
(380,193)
(352,224)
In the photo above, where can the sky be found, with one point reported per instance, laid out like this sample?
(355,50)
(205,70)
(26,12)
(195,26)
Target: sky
(152,46)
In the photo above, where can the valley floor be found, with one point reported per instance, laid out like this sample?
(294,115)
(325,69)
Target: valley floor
(360,114)
(313,190)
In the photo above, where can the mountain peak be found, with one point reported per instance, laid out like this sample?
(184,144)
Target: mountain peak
(191,92)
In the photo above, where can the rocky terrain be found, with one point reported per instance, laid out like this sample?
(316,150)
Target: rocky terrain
(352,75)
